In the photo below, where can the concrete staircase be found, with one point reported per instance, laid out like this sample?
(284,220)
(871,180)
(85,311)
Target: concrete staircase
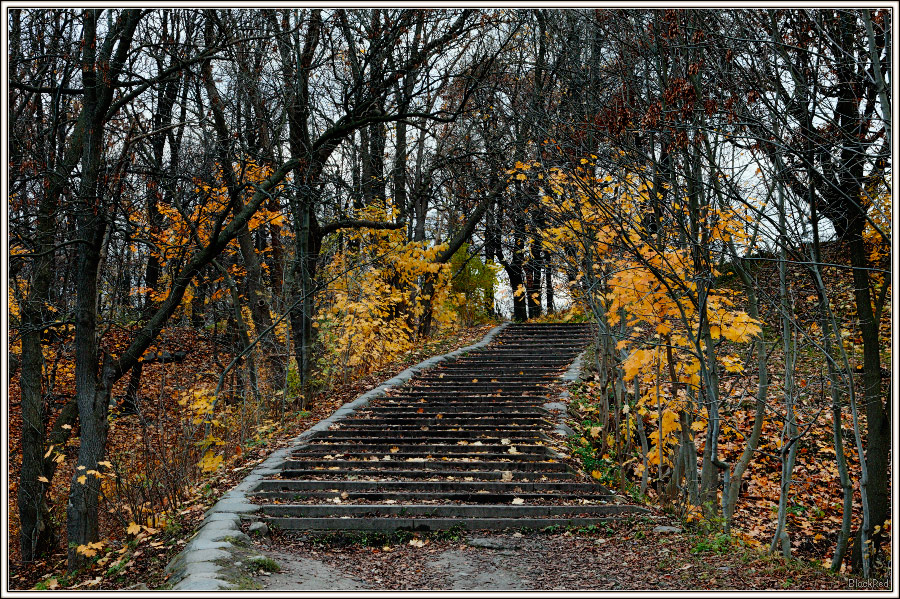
(462,444)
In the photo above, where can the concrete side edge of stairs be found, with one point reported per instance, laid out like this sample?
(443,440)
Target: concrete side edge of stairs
(206,561)
(560,406)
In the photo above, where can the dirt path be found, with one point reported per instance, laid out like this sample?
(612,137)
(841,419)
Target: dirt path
(631,556)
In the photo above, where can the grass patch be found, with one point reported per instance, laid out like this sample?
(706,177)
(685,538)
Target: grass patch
(266,564)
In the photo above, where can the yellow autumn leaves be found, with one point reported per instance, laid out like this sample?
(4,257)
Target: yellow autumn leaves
(380,294)
(83,472)
(646,287)
(200,404)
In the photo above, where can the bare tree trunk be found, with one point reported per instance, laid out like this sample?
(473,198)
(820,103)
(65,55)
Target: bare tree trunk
(789,434)
(548,281)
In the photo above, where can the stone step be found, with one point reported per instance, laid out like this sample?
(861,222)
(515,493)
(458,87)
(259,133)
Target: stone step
(344,436)
(434,463)
(499,395)
(431,524)
(475,385)
(434,449)
(510,370)
(545,333)
(444,423)
(529,346)
(510,356)
(433,474)
(451,457)
(451,379)
(405,429)
(485,497)
(448,417)
(473,409)
(489,510)
(500,487)
(511,403)
(421,396)
(513,354)
(408,393)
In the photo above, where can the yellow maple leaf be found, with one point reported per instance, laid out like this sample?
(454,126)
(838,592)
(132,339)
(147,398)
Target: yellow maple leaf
(635,362)
(733,364)
(210,462)
(133,528)
(82,479)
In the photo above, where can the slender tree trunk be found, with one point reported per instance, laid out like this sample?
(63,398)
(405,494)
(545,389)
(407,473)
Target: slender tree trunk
(878,434)
(303,279)
(762,389)
(91,391)
(35,532)
(533,270)
(789,433)
(548,281)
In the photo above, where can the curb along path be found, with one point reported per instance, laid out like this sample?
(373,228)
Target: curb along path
(463,444)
